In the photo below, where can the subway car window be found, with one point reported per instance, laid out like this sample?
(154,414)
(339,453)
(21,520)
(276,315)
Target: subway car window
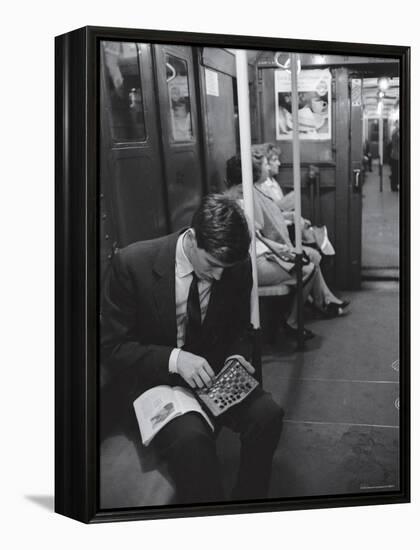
(179,97)
(123,78)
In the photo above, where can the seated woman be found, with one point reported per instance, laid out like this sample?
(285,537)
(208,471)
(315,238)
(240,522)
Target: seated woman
(311,235)
(274,246)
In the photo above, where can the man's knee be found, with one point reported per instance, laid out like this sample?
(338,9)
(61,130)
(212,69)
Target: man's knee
(187,435)
(268,416)
(194,443)
(193,440)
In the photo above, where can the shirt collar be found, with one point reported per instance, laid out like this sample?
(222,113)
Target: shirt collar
(183,266)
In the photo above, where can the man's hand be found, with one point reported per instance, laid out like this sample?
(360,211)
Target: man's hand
(194,370)
(243,362)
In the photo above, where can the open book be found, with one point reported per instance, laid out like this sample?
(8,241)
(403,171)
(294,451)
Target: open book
(158,406)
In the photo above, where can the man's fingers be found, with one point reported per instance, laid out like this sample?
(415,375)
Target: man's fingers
(191,383)
(198,381)
(249,367)
(195,370)
(205,378)
(208,369)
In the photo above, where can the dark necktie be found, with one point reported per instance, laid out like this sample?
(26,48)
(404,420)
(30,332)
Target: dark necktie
(193,327)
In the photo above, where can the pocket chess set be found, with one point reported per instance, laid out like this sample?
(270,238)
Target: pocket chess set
(231,386)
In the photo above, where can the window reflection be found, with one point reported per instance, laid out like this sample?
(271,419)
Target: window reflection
(179,98)
(123,80)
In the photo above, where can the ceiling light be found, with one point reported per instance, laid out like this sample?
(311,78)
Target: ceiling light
(383,83)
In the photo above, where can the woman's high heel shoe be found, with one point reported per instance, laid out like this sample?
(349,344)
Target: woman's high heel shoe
(329,310)
(333,309)
(294,332)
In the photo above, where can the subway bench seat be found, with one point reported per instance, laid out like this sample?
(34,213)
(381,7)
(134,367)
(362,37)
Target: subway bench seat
(273,290)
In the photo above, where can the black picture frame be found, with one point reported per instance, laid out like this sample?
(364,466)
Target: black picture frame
(77,288)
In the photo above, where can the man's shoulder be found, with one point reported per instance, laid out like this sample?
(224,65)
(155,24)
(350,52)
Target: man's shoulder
(146,251)
(149,246)
(142,246)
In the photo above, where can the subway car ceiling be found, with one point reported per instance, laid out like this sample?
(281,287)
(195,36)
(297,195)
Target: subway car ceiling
(169,123)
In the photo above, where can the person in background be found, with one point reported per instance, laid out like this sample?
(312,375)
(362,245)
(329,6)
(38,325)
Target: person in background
(367,156)
(312,236)
(275,250)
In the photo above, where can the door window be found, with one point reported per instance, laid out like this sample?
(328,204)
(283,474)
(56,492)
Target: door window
(179,98)
(125,96)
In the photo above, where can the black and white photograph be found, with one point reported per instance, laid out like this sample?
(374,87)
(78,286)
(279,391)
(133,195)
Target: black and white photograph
(249,235)
(209,267)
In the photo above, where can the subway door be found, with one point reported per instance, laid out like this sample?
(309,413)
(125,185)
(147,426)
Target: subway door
(348,131)
(181,143)
(131,176)
(355,187)
(220,113)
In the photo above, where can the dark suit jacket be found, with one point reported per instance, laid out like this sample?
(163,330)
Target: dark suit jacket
(138,321)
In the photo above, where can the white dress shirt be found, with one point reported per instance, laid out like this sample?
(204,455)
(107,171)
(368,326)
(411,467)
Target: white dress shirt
(183,280)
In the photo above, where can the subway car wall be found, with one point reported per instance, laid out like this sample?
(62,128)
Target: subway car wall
(169,122)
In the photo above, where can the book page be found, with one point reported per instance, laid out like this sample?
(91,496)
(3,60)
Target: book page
(154,409)
(158,406)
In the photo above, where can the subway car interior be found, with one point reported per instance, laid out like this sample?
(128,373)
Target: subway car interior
(170,121)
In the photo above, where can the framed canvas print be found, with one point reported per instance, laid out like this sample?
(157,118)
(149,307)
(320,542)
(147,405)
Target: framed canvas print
(232,274)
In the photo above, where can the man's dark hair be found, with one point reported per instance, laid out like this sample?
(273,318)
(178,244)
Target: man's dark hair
(221,229)
(234,168)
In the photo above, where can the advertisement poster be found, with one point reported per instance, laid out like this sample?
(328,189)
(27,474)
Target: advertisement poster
(314,92)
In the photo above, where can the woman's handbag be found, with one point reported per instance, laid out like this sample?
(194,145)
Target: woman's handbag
(285,258)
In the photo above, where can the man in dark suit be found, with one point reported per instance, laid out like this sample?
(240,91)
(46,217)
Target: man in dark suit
(149,338)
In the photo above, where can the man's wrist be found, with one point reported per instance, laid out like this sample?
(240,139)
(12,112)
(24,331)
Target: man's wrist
(173,361)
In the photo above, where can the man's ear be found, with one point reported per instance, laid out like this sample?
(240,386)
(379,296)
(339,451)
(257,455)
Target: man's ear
(192,240)
(193,236)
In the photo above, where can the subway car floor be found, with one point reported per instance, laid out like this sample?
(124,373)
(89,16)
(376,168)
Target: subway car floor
(380,226)
(340,398)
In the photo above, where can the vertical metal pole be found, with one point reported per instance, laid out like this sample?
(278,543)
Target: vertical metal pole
(318,217)
(381,151)
(297,188)
(247,183)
